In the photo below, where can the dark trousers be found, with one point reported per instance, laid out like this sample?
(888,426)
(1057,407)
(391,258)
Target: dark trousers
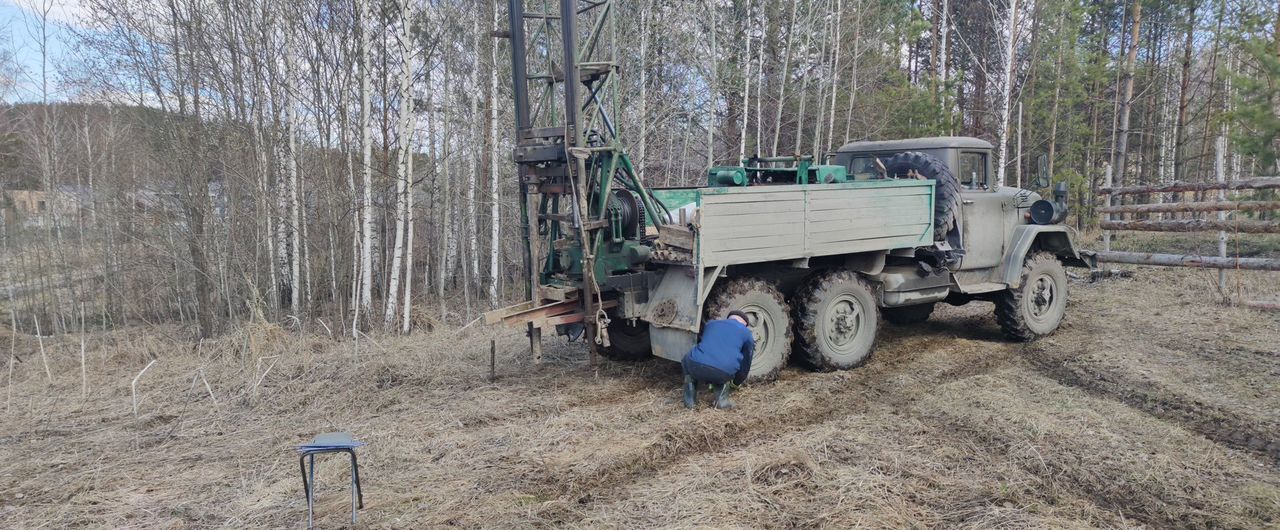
(704,374)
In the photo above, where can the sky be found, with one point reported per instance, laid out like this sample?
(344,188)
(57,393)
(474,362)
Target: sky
(19,31)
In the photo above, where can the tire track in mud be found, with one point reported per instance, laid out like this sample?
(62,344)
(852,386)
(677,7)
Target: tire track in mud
(583,396)
(1067,478)
(824,399)
(1212,422)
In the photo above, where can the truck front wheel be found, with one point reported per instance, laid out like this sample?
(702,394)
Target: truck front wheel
(769,318)
(1035,308)
(836,320)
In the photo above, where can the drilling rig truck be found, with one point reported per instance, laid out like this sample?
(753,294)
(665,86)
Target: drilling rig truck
(815,251)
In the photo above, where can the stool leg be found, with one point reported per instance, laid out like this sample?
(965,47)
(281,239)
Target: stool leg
(355,474)
(308,481)
(354,488)
(306,486)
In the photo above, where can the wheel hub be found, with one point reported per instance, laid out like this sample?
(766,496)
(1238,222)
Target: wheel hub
(1042,296)
(844,320)
(759,324)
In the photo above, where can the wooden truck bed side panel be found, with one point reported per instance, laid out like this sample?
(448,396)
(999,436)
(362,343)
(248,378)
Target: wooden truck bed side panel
(768,223)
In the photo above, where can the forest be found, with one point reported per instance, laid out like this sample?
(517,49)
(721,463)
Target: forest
(345,165)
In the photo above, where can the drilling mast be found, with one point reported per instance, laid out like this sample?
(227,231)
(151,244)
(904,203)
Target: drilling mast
(574,176)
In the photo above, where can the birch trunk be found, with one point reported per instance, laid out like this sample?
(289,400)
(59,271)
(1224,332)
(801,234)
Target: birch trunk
(1010,58)
(446,214)
(642,149)
(820,100)
(782,81)
(804,89)
(746,92)
(495,198)
(1184,87)
(853,71)
(295,215)
(366,147)
(402,174)
(942,61)
(713,95)
(835,76)
(407,312)
(473,235)
(1120,156)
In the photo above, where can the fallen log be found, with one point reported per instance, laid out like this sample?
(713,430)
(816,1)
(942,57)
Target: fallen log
(1176,187)
(1209,206)
(1176,260)
(1195,225)
(1256,304)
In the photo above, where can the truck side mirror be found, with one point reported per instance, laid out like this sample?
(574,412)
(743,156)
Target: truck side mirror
(1042,173)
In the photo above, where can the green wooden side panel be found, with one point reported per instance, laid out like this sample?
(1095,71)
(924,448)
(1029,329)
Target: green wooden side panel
(676,198)
(767,223)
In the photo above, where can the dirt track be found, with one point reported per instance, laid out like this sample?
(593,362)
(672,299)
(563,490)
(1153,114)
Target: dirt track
(1124,418)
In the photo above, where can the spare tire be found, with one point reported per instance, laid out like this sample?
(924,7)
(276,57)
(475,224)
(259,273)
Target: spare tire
(946,191)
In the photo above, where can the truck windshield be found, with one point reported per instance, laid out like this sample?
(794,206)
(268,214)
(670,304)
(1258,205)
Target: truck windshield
(973,170)
(863,168)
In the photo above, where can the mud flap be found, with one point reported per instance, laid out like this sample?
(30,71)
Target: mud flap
(670,343)
(673,313)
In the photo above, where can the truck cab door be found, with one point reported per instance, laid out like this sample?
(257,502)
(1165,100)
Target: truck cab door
(982,222)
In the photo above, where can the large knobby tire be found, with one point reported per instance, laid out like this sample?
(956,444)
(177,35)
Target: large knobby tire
(1036,307)
(907,315)
(769,318)
(836,320)
(627,342)
(946,191)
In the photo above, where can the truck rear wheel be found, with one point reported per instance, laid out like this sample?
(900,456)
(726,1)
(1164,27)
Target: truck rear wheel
(769,318)
(946,191)
(628,342)
(907,315)
(836,320)
(1036,307)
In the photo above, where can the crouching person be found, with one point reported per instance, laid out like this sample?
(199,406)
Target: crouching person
(723,356)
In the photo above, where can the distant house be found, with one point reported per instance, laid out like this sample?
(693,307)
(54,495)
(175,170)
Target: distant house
(33,208)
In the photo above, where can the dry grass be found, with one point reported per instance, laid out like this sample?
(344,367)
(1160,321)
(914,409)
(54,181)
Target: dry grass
(1152,407)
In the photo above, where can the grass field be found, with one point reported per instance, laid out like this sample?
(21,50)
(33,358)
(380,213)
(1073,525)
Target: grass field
(1152,407)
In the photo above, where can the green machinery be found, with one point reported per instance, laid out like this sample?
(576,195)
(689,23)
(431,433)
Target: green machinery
(584,210)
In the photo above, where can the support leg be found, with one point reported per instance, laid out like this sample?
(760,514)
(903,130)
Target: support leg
(535,343)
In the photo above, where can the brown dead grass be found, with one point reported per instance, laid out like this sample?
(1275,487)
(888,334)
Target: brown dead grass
(1152,407)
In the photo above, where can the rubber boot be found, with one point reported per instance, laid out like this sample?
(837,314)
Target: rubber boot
(722,397)
(690,392)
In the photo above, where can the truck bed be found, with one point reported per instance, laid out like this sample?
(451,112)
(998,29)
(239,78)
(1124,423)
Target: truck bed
(738,225)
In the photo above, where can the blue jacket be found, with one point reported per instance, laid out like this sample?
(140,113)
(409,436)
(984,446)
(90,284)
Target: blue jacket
(726,345)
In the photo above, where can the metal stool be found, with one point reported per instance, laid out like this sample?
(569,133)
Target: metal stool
(333,442)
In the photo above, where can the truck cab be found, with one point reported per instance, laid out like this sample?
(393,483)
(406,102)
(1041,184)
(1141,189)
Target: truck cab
(992,217)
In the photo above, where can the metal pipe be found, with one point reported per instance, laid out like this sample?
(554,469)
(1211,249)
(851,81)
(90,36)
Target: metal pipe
(569,40)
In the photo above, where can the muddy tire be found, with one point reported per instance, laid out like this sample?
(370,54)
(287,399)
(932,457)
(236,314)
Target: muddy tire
(946,192)
(769,320)
(628,343)
(907,315)
(836,320)
(1036,307)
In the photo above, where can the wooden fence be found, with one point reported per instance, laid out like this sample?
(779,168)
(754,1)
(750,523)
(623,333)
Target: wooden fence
(1113,219)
